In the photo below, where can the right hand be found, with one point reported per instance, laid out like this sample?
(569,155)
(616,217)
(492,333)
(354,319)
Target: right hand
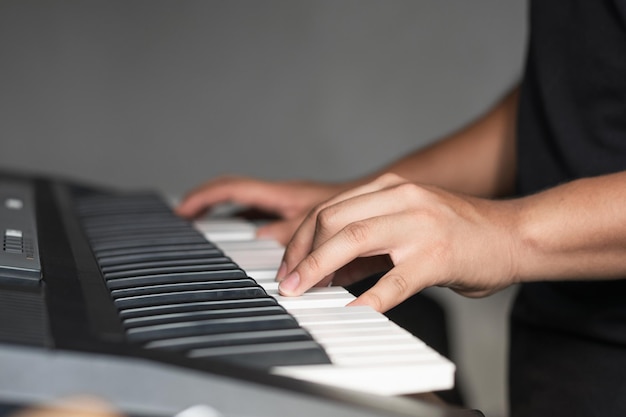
(420,235)
(290,201)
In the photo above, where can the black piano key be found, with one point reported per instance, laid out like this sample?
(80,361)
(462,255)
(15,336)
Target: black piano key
(168,269)
(153,249)
(125,202)
(175,290)
(133,220)
(150,241)
(136,221)
(267,355)
(182,307)
(164,263)
(90,213)
(126,210)
(230,339)
(214,326)
(183,287)
(144,257)
(121,207)
(121,238)
(123,230)
(132,239)
(201,315)
(190,296)
(182,278)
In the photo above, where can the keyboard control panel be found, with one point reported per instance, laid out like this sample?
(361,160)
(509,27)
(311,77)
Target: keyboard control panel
(19,257)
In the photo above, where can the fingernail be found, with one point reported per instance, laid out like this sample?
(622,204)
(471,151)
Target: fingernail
(289,284)
(280,274)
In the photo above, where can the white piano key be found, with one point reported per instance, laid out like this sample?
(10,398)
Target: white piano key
(332,300)
(382,358)
(340,313)
(383,355)
(384,379)
(271,286)
(312,300)
(340,326)
(259,253)
(262,259)
(218,230)
(339,329)
(264,280)
(255,244)
(319,292)
(359,337)
(306,320)
(369,352)
(329,320)
(387,346)
(262,274)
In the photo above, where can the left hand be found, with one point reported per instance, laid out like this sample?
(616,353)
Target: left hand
(425,235)
(83,406)
(290,201)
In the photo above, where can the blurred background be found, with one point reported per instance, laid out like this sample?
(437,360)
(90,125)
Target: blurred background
(166,94)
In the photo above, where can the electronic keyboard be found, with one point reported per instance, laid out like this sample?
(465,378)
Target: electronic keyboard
(110,293)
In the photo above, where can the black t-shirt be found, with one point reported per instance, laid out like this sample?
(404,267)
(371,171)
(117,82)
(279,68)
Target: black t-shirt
(572,121)
(572,124)
(573,104)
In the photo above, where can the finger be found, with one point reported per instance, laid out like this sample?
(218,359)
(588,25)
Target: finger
(381,202)
(382,182)
(393,288)
(208,194)
(311,234)
(239,190)
(363,238)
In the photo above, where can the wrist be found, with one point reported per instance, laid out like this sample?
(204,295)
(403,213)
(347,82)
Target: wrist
(565,234)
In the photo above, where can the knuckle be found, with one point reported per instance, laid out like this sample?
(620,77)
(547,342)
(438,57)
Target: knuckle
(408,188)
(374,300)
(315,212)
(399,283)
(411,192)
(389,178)
(294,249)
(326,218)
(357,232)
(312,263)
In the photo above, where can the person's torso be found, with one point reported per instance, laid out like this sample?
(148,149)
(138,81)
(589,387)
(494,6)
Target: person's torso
(572,124)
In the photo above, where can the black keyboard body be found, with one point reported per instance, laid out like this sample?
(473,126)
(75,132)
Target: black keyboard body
(136,306)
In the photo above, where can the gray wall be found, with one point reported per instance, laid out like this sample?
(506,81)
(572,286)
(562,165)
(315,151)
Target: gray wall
(167,94)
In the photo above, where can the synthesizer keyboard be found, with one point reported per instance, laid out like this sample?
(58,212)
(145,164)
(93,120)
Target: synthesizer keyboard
(109,293)
(368,352)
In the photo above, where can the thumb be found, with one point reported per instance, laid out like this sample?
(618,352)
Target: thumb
(393,288)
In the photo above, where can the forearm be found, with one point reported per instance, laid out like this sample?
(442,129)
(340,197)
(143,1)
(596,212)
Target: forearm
(477,160)
(573,231)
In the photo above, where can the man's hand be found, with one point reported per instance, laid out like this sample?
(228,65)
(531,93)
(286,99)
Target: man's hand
(290,201)
(424,235)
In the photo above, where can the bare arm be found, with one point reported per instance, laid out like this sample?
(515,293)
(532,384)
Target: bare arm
(574,231)
(475,246)
(478,159)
